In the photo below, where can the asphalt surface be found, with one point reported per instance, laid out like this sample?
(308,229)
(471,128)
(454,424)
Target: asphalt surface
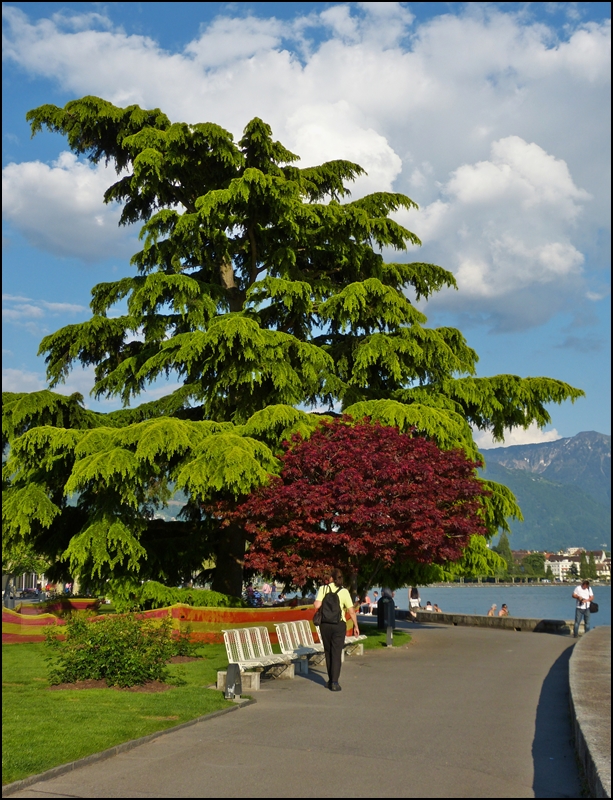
(460,712)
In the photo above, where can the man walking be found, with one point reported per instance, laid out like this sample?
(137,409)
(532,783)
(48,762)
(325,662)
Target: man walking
(583,595)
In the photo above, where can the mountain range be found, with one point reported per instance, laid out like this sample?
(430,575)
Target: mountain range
(563,488)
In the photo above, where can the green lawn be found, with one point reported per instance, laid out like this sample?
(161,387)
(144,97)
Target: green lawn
(42,728)
(377,638)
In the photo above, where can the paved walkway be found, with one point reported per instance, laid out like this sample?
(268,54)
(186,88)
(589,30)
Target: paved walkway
(460,712)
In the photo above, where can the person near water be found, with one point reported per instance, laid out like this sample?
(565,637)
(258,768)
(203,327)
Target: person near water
(437,609)
(333,632)
(429,606)
(583,595)
(504,611)
(366,605)
(492,611)
(414,601)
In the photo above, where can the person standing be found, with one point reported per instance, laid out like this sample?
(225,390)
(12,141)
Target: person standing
(414,601)
(267,591)
(333,626)
(583,595)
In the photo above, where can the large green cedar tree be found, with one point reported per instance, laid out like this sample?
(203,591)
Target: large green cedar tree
(261,287)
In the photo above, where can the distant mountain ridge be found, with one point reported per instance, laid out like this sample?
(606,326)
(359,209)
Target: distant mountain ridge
(563,489)
(583,460)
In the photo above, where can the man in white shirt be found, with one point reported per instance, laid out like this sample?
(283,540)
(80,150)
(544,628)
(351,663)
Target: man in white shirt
(583,595)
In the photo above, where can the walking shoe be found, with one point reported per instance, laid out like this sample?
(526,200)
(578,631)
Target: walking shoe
(335,687)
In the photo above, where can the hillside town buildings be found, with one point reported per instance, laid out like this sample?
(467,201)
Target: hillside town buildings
(561,563)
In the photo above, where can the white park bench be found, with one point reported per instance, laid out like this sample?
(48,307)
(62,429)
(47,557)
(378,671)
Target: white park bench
(295,638)
(251,649)
(352,647)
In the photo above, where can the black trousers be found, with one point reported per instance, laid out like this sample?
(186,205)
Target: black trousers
(333,639)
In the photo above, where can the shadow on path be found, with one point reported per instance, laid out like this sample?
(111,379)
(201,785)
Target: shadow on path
(555,768)
(316,677)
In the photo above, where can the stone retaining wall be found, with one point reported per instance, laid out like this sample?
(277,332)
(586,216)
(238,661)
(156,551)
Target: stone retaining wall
(590,704)
(482,621)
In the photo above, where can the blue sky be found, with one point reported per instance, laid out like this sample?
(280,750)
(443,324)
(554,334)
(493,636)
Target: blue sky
(493,117)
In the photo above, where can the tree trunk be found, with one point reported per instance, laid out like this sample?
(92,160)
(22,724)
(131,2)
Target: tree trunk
(353,578)
(228,578)
(228,281)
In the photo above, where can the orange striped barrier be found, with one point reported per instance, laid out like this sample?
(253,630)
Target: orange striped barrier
(58,606)
(206,623)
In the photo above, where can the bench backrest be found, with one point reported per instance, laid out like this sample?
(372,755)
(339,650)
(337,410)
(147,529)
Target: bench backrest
(261,646)
(247,644)
(234,646)
(305,632)
(285,637)
(294,635)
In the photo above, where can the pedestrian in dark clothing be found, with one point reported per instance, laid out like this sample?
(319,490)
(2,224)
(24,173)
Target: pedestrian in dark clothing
(387,596)
(333,631)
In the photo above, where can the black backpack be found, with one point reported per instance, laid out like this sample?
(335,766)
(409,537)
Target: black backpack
(331,608)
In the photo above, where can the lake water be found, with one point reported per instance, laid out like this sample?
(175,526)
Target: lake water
(525,600)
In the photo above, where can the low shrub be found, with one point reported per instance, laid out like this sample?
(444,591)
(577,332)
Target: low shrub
(123,650)
(182,643)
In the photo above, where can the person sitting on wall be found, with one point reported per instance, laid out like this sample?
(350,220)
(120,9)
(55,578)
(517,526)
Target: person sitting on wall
(504,611)
(366,605)
(429,606)
(437,609)
(492,611)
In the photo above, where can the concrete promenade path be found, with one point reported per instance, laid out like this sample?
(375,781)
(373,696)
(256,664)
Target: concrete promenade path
(459,712)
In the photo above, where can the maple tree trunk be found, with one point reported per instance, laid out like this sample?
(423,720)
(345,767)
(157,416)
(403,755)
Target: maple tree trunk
(353,583)
(228,577)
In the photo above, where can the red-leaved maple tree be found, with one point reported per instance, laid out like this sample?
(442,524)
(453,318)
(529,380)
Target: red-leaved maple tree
(356,495)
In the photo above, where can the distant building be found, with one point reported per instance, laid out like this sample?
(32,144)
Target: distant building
(560,565)
(603,570)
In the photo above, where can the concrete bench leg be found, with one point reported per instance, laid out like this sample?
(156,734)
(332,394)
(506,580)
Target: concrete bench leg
(250,681)
(355,649)
(302,666)
(282,672)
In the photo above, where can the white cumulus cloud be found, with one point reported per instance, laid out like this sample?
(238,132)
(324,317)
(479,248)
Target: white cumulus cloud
(505,228)
(532,435)
(59,208)
(20,380)
(497,127)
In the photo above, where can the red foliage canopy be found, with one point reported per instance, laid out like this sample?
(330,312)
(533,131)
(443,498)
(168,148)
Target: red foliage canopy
(360,492)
